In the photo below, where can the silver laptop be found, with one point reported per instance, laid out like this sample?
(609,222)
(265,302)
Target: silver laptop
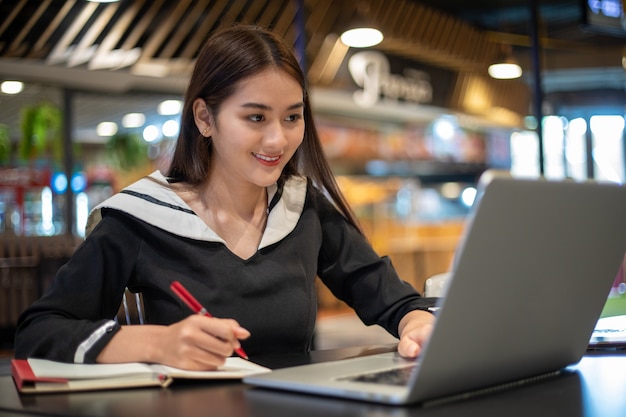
(532,274)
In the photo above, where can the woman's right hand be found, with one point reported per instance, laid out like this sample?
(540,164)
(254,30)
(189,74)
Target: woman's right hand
(197,343)
(200,343)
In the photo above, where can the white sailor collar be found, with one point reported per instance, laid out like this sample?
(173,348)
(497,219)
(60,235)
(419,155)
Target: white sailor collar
(152,200)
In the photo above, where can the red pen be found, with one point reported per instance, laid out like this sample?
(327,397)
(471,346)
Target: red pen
(196,307)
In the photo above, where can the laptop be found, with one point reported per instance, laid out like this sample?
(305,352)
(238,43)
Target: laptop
(530,279)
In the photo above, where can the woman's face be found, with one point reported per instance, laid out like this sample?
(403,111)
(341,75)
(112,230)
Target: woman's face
(258,128)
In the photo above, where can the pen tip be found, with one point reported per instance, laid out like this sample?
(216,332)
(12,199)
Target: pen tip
(241,353)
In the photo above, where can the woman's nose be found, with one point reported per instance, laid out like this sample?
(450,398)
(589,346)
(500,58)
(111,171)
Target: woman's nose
(276,135)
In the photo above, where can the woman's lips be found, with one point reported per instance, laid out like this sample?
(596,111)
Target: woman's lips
(267,160)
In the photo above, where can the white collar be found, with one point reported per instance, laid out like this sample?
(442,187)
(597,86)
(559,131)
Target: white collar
(152,200)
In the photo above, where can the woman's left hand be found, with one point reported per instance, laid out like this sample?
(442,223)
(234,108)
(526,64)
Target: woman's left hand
(414,329)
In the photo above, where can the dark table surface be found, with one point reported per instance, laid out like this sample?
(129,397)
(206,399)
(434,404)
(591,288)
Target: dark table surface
(595,387)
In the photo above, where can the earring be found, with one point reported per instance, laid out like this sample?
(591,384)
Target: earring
(204,132)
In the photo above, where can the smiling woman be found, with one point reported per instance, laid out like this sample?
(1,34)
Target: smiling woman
(262,119)
(247,218)
(251,137)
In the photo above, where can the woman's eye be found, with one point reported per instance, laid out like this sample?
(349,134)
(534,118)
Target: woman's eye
(294,117)
(256,118)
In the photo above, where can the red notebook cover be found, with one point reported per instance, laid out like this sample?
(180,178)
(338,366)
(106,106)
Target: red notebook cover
(23,375)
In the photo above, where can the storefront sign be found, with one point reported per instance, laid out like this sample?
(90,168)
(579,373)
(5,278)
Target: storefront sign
(24,177)
(371,71)
(605,16)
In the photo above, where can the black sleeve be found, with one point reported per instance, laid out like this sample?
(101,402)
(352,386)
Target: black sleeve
(356,274)
(72,321)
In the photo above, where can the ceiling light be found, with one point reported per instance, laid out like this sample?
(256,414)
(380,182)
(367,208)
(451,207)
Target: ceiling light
(12,87)
(131,120)
(170,107)
(170,128)
(151,133)
(505,67)
(362,37)
(361,31)
(106,129)
(505,70)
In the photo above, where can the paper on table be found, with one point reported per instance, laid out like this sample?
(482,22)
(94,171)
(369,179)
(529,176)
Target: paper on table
(233,368)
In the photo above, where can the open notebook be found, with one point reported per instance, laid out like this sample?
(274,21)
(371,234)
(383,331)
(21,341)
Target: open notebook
(42,375)
(532,276)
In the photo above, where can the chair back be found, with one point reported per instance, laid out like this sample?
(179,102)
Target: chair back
(131,309)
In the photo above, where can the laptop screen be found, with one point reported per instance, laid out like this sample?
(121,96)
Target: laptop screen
(610,332)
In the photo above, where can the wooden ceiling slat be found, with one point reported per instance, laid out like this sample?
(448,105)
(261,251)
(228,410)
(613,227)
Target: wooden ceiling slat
(482,51)
(318,64)
(121,26)
(59,50)
(471,49)
(458,91)
(327,24)
(92,34)
(376,7)
(115,34)
(254,8)
(183,29)
(286,21)
(319,14)
(327,62)
(195,43)
(12,16)
(230,14)
(407,21)
(316,12)
(38,48)
(405,18)
(457,45)
(492,50)
(15,45)
(220,14)
(426,34)
(132,41)
(431,32)
(465,41)
(423,16)
(386,14)
(269,14)
(156,39)
(445,32)
(393,17)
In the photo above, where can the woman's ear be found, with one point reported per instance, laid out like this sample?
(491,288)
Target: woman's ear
(202,117)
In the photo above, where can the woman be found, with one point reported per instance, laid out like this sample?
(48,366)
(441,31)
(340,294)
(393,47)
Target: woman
(246,219)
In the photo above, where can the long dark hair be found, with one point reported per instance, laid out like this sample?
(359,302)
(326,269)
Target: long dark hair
(227,57)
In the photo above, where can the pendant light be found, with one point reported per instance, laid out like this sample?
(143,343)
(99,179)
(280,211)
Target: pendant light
(362,37)
(506,67)
(361,32)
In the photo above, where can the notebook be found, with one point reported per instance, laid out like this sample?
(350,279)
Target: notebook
(35,376)
(530,279)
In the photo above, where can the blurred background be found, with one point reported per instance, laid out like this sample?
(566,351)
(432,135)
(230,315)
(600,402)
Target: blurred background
(91,96)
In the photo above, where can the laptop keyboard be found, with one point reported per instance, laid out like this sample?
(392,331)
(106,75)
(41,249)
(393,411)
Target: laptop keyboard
(396,376)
